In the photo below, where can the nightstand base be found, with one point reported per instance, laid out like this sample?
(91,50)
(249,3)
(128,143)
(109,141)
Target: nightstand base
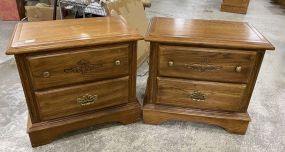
(236,123)
(45,132)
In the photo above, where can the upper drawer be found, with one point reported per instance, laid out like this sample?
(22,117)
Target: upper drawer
(66,101)
(206,63)
(78,66)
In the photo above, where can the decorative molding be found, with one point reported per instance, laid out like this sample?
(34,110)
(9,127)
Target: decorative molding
(83,67)
(203,67)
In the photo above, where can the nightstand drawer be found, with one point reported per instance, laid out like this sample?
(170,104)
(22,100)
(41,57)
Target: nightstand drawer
(206,63)
(77,99)
(200,94)
(74,66)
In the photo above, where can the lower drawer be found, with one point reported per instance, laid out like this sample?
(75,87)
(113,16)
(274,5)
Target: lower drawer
(81,98)
(200,94)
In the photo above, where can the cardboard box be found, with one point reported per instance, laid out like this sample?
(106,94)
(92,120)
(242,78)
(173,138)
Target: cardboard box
(133,12)
(40,13)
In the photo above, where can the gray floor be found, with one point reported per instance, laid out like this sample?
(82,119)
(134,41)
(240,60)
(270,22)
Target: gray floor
(266,132)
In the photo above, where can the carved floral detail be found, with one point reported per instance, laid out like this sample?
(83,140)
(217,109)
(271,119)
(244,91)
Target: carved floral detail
(87,99)
(203,67)
(83,67)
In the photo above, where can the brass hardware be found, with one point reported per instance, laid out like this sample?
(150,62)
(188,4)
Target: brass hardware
(238,69)
(203,67)
(117,62)
(83,67)
(87,100)
(198,96)
(170,63)
(46,74)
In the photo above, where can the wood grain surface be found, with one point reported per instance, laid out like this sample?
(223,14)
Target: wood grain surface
(50,35)
(206,33)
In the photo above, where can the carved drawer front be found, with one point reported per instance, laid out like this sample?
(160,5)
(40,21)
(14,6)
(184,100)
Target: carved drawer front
(206,63)
(78,66)
(200,94)
(81,98)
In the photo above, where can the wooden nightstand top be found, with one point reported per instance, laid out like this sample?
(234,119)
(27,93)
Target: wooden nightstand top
(209,33)
(61,34)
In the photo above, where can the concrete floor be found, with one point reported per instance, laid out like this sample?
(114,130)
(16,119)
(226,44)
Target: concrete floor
(266,132)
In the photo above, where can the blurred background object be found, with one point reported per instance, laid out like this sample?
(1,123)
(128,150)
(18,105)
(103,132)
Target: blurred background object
(12,10)
(235,6)
(281,2)
(133,12)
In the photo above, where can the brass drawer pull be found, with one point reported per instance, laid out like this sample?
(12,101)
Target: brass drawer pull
(238,69)
(117,62)
(87,99)
(170,63)
(198,96)
(46,74)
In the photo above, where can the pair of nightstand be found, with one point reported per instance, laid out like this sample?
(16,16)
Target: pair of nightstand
(77,73)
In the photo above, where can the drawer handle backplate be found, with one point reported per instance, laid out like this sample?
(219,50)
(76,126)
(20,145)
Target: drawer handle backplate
(87,99)
(203,67)
(198,96)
